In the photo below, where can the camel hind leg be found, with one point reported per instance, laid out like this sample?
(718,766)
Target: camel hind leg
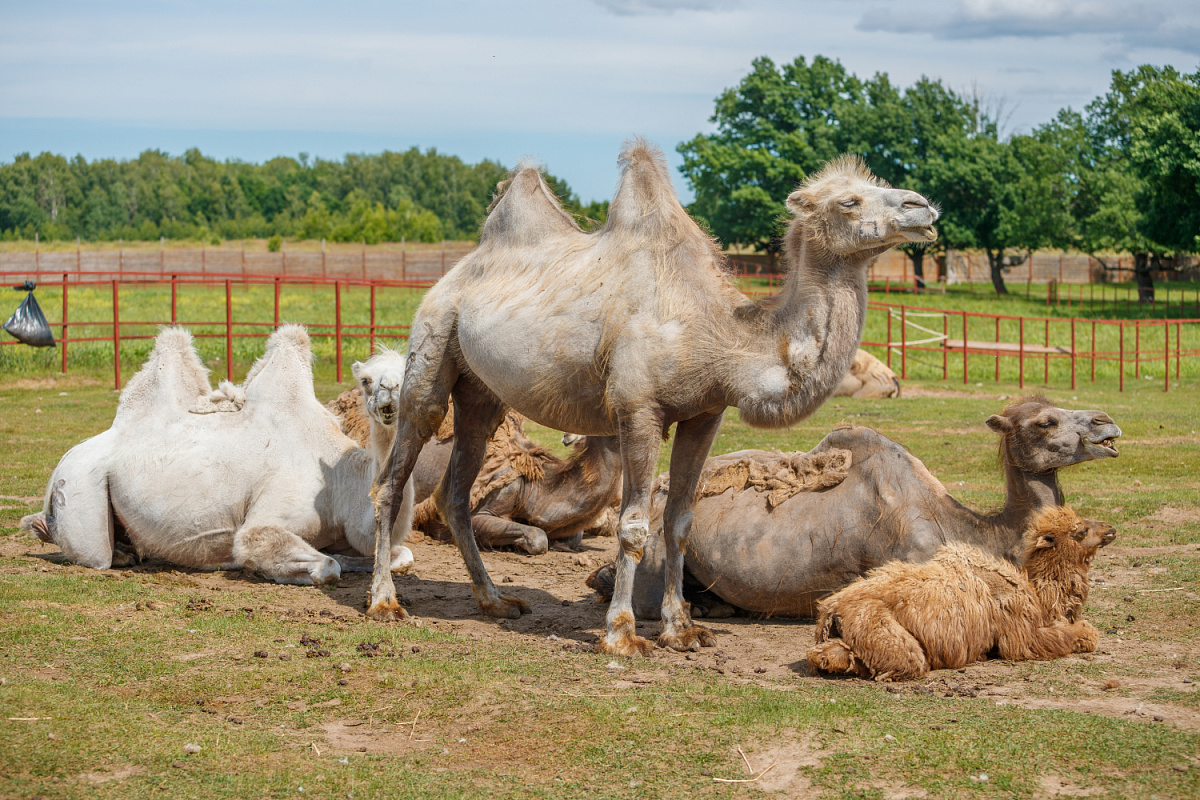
(78,515)
(477,414)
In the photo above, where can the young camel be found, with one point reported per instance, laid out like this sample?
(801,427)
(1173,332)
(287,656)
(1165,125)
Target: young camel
(903,620)
(627,331)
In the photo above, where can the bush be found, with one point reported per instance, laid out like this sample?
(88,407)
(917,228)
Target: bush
(274,243)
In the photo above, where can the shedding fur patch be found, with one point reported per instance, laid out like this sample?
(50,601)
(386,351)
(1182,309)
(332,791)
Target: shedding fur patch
(781,477)
(352,416)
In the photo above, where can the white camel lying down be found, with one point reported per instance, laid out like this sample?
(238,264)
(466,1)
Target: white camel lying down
(259,478)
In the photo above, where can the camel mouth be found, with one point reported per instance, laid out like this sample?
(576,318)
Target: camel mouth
(920,233)
(1108,445)
(387,417)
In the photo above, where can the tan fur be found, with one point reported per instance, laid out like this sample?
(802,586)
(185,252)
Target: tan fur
(902,620)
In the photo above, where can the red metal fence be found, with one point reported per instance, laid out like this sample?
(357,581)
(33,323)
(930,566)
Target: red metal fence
(1073,339)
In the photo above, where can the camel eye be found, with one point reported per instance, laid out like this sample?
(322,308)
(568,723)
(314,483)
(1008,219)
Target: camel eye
(366,382)
(848,203)
(1047,423)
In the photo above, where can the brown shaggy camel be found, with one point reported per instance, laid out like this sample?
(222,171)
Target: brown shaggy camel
(525,497)
(773,544)
(902,620)
(627,331)
(868,378)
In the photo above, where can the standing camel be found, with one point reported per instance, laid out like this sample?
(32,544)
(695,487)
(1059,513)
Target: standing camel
(627,331)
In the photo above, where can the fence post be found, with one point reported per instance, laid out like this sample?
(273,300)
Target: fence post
(372,328)
(945,348)
(1072,352)
(174,292)
(889,338)
(1178,346)
(1046,376)
(966,347)
(1137,350)
(276,302)
(1021,352)
(116,336)
(63,343)
(997,378)
(337,326)
(1121,357)
(903,342)
(229,330)
(1166,356)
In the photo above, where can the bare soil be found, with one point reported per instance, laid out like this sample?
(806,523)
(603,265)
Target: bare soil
(1146,668)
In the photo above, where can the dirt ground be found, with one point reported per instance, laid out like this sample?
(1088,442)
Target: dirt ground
(1145,668)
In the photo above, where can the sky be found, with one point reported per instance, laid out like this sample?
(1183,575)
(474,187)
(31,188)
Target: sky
(561,82)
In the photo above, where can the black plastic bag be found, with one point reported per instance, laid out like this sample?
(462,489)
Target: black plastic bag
(28,323)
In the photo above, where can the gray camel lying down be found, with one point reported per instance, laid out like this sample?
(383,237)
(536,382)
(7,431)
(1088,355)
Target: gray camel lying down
(774,532)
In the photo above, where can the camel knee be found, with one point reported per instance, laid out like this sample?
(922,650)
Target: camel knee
(633,534)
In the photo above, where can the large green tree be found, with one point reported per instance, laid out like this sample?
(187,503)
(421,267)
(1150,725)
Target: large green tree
(416,195)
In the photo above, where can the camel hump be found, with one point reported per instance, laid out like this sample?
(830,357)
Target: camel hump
(284,371)
(645,202)
(525,211)
(172,377)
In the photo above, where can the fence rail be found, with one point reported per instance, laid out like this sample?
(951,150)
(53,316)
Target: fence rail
(911,331)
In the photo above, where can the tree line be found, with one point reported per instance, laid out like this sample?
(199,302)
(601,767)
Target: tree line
(413,195)
(1123,175)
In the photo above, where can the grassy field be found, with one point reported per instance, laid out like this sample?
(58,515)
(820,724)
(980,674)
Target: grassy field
(107,677)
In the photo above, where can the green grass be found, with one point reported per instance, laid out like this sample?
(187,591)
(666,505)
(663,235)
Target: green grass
(118,687)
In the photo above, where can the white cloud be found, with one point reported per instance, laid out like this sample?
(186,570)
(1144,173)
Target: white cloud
(1140,24)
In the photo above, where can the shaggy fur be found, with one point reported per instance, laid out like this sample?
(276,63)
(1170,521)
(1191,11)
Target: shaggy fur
(902,620)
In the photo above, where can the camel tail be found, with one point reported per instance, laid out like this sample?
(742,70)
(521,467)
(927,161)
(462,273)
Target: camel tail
(602,581)
(37,525)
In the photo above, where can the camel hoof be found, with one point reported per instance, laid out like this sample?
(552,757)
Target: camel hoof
(689,639)
(387,612)
(627,645)
(505,607)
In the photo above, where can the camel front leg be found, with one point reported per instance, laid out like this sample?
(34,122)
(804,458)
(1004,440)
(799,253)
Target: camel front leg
(493,531)
(693,439)
(477,414)
(396,472)
(283,557)
(641,434)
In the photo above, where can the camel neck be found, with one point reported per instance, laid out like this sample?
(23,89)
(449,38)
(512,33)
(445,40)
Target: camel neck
(806,343)
(382,437)
(1028,493)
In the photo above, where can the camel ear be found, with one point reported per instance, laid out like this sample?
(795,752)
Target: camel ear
(796,202)
(356,369)
(1043,542)
(999,424)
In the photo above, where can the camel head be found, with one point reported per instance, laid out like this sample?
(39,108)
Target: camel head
(381,376)
(847,211)
(1039,437)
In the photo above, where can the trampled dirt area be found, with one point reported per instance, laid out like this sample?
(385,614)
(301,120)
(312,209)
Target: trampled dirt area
(1144,670)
